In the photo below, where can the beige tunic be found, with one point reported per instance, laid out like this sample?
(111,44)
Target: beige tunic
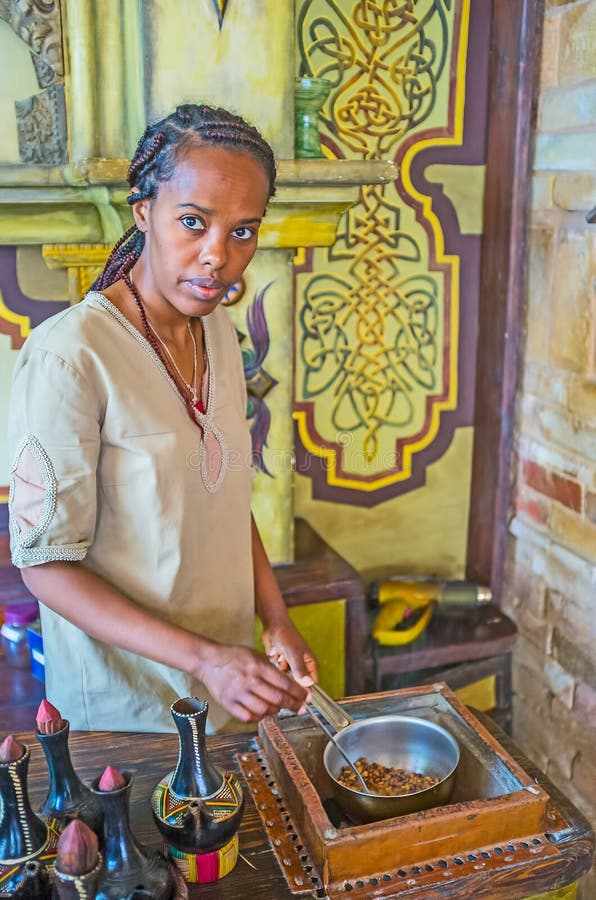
(109,469)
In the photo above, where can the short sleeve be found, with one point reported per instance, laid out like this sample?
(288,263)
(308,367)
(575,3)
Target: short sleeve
(53,440)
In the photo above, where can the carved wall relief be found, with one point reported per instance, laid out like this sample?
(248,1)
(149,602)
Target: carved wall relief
(41,119)
(41,127)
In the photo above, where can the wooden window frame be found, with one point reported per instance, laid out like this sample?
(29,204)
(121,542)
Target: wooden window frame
(514,66)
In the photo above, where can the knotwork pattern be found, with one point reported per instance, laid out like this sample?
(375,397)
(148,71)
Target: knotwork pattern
(377,312)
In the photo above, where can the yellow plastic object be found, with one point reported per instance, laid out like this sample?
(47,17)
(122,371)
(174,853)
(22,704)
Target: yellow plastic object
(416,593)
(392,614)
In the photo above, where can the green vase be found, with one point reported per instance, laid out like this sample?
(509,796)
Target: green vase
(309,96)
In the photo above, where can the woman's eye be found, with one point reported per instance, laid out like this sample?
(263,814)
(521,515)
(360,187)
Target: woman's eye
(193,222)
(244,234)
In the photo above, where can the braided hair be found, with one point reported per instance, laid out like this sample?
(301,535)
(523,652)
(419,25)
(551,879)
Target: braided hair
(158,152)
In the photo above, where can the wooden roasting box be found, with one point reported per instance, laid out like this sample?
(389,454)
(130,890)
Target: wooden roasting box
(497,815)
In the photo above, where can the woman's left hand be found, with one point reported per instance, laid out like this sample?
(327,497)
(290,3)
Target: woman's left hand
(288,650)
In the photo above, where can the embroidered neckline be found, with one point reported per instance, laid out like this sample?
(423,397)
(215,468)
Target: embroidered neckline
(204,419)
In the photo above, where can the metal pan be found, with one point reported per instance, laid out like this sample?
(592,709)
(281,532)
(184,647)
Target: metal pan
(405,742)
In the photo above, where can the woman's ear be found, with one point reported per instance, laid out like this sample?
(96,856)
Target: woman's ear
(140,211)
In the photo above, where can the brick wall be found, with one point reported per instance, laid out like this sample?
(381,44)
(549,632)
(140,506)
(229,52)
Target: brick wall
(550,585)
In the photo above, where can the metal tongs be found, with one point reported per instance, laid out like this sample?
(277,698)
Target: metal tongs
(327,707)
(322,703)
(337,717)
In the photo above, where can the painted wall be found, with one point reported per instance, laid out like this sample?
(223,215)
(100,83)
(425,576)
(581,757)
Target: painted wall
(242,66)
(272,491)
(423,260)
(386,318)
(551,567)
(421,532)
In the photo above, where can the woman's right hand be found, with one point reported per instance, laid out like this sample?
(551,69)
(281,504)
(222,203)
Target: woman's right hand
(246,684)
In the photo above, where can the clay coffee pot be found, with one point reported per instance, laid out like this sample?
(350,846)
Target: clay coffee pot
(198,807)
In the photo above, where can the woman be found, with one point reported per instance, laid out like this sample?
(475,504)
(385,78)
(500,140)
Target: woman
(130,491)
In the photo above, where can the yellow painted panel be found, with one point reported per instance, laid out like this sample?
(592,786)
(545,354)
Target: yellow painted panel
(272,496)
(464,185)
(35,278)
(354,414)
(192,59)
(423,531)
(482,695)
(301,227)
(323,627)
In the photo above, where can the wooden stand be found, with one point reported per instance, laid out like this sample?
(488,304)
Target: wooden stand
(459,647)
(495,803)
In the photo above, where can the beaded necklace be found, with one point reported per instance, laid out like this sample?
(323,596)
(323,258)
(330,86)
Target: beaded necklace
(210,430)
(192,387)
(157,343)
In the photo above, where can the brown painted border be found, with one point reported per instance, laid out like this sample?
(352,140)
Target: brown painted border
(514,58)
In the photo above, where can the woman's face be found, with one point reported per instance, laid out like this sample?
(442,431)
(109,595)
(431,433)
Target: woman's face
(201,230)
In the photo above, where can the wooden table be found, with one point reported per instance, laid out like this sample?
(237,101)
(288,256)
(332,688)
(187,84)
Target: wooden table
(150,756)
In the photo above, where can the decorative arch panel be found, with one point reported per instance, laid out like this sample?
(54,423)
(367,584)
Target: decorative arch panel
(385,318)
